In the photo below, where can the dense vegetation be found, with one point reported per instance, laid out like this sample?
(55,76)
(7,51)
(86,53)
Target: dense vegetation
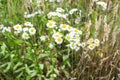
(59,40)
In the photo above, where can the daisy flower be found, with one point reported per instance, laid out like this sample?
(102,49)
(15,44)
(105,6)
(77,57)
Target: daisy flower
(60,10)
(17,27)
(43,38)
(103,4)
(91,46)
(83,44)
(77,36)
(72,45)
(25,35)
(57,34)
(51,45)
(75,30)
(32,31)
(58,40)
(6,29)
(25,29)
(78,43)
(77,48)
(69,28)
(28,24)
(97,42)
(73,10)
(68,37)
(51,24)
(63,26)
(90,41)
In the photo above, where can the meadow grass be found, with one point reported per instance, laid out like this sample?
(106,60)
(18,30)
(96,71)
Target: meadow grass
(33,59)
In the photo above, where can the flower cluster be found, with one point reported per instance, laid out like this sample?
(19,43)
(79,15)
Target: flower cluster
(27,15)
(26,31)
(4,29)
(71,36)
(92,43)
(58,13)
(61,13)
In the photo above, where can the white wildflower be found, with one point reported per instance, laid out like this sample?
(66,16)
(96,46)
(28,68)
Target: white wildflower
(43,38)
(51,24)
(25,35)
(25,29)
(28,24)
(63,26)
(51,0)
(60,10)
(32,31)
(51,45)
(83,44)
(103,4)
(73,46)
(90,41)
(69,37)
(73,10)
(57,34)
(91,46)
(6,29)
(58,40)
(17,27)
(97,42)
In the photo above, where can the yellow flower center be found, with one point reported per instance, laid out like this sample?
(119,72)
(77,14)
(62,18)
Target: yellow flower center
(83,44)
(50,23)
(78,42)
(59,39)
(17,27)
(26,35)
(76,30)
(69,27)
(91,46)
(96,41)
(68,37)
(63,26)
(32,30)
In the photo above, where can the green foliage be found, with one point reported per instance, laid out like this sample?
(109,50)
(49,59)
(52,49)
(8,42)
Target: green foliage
(28,57)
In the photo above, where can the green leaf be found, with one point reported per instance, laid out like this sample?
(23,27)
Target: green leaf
(53,60)
(94,16)
(68,63)
(63,67)
(3,65)
(41,66)
(18,42)
(49,72)
(65,57)
(33,73)
(19,70)
(1,42)
(19,75)
(17,65)
(8,67)
(27,69)
(3,47)
(56,71)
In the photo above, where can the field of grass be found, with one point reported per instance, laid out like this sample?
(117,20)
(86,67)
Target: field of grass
(59,39)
